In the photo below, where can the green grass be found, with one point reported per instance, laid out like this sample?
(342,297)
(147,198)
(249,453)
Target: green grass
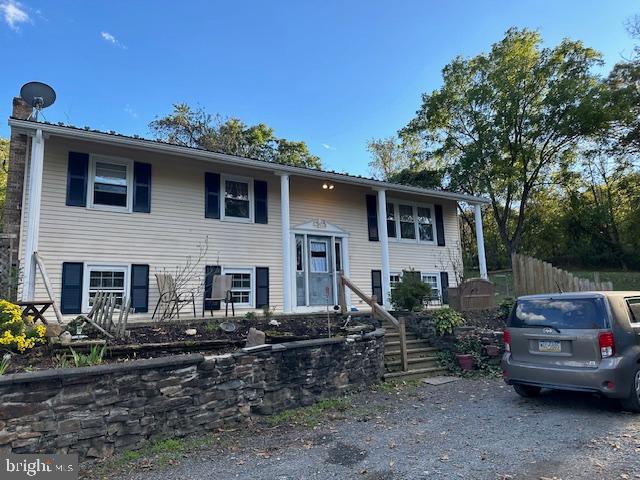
(311,416)
(622,280)
(160,454)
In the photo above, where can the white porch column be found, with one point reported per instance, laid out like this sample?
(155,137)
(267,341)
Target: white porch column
(384,245)
(286,243)
(33,216)
(480,240)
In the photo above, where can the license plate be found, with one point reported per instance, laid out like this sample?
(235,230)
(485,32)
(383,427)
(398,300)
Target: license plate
(549,346)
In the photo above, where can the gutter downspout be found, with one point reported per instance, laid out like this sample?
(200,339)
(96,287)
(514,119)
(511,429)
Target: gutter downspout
(33,216)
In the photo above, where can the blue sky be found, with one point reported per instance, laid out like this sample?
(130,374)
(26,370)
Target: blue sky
(331,73)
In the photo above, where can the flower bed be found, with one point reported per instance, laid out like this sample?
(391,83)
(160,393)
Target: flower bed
(167,338)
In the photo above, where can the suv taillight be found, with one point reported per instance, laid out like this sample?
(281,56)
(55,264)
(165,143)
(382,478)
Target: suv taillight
(607,348)
(507,340)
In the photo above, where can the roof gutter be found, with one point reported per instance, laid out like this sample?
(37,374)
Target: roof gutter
(28,126)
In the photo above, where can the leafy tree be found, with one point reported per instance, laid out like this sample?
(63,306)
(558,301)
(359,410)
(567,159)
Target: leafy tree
(419,178)
(502,122)
(197,128)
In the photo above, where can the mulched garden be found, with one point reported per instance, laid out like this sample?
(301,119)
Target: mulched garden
(174,337)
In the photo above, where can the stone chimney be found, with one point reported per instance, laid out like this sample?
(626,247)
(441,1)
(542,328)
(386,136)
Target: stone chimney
(18,151)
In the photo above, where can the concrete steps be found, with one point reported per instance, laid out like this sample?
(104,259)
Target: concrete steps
(422,358)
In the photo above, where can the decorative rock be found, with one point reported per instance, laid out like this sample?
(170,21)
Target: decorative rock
(274,323)
(65,337)
(54,330)
(255,337)
(191,332)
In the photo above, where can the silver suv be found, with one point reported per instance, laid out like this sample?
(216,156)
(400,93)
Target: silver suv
(586,341)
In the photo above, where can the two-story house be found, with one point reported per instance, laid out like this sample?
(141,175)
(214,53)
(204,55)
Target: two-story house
(107,212)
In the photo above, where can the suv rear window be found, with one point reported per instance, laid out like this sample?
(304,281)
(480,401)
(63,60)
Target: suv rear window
(559,313)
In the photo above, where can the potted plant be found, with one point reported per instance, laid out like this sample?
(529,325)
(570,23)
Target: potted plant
(466,361)
(469,350)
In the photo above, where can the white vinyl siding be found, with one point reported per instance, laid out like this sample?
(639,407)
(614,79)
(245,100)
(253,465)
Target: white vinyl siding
(174,230)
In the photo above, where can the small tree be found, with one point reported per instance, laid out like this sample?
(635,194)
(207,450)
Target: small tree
(411,292)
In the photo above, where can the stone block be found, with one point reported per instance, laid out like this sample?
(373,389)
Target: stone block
(69,426)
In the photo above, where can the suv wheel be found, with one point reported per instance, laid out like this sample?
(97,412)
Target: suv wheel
(632,402)
(527,390)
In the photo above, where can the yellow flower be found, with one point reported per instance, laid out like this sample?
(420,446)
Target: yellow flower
(27,334)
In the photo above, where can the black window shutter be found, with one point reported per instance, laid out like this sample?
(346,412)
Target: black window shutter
(140,288)
(439,225)
(444,286)
(209,272)
(71,297)
(262,287)
(142,187)
(211,195)
(376,285)
(372,218)
(260,198)
(77,177)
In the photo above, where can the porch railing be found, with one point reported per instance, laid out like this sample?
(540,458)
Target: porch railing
(377,311)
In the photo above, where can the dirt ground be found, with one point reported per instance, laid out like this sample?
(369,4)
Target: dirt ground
(469,429)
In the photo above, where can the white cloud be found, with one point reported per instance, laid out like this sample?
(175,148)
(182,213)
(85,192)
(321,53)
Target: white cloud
(108,37)
(14,14)
(328,147)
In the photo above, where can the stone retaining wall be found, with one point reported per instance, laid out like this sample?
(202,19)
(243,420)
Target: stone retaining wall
(96,411)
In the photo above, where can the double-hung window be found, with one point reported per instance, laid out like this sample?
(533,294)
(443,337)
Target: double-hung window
(110,185)
(433,280)
(410,222)
(112,279)
(407,221)
(241,286)
(394,280)
(237,199)
(425,226)
(391,220)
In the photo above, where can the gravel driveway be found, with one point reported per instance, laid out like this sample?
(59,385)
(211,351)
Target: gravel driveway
(469,429)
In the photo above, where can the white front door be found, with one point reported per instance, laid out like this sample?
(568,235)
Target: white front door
(318,259)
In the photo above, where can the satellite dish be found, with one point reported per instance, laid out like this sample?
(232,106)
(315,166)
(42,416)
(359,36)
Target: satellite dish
(39,95)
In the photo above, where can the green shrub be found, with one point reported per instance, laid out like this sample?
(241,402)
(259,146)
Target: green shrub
(505,307)
(410,293)
(446,320)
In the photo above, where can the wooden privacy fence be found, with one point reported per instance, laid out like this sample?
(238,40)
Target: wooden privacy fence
(531,276)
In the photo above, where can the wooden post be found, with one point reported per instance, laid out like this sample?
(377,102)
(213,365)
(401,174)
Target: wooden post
(47,285)
(403,344)
(342,299)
